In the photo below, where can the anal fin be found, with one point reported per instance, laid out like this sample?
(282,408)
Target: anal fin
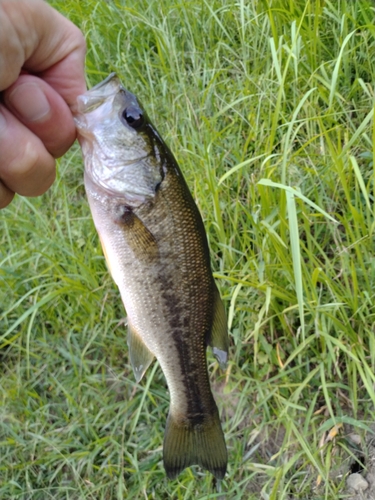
(218,338)
(140,355)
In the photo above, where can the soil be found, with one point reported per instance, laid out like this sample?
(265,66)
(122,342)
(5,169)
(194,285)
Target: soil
(266,442)
(368,474)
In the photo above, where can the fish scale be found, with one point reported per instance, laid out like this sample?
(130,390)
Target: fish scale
(156,248)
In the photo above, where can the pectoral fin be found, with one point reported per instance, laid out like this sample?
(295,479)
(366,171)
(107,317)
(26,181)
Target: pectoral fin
(218,338)
(108,262)
(140,356)
(137,235)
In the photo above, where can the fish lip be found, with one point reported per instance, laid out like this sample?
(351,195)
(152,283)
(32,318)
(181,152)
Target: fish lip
(99,85)
(101,92)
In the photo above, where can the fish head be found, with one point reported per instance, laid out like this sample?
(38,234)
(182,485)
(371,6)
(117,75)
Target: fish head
(120,146)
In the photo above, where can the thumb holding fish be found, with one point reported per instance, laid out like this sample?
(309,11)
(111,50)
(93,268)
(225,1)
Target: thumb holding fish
(41,75)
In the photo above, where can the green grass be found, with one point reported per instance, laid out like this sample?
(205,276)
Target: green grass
(268,107)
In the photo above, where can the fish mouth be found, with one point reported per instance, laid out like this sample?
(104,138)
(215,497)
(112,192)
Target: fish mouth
(112,76)
(98,94)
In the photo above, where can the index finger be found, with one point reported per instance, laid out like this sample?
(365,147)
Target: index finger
(37,38)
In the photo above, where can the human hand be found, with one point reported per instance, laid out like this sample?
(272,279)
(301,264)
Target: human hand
(41,75)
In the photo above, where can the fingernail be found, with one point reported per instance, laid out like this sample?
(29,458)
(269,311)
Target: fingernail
(30,102)
(3,123)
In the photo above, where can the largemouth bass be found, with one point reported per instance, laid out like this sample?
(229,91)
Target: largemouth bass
(156,249)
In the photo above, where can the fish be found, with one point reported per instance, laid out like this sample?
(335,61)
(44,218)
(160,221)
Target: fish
(156,249)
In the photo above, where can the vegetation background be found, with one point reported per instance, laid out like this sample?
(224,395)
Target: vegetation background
(268,106)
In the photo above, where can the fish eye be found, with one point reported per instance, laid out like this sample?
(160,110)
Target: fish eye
(133,117)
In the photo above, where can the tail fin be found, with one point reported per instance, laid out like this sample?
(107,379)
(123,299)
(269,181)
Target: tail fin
(186,444)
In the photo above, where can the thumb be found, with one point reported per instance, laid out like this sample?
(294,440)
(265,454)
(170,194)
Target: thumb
(44,112)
